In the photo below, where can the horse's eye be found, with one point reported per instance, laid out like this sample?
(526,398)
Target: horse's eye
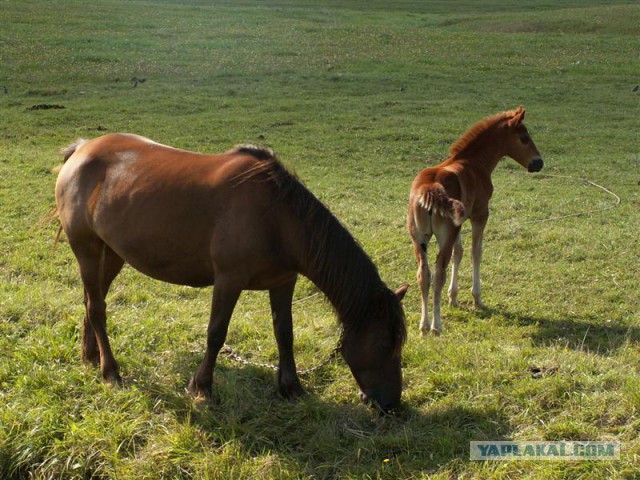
(524,138)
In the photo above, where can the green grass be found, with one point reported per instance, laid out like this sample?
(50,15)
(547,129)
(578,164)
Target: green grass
(356,97)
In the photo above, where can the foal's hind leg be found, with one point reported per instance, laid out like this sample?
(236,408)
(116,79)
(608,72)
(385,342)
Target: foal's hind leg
(111,266)
(424,280)
(90,253)
(288,381)
(446,233)
(453,286)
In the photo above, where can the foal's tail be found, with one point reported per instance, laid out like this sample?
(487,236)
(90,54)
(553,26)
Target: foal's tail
(66,154)
(435,200)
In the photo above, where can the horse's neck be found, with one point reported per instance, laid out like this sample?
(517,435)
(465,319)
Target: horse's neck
(339,267)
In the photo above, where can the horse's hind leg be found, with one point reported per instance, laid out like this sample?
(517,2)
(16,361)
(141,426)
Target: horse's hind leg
(111,265)
(288,381)
(453,286)
(91,253)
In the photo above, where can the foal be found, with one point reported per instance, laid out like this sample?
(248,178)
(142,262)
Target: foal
(444,196)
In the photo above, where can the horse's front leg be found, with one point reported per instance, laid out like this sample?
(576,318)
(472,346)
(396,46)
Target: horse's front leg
(477,232)
(288,381)
(224,301)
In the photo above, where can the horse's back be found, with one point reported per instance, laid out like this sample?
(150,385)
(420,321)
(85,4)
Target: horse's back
(172,214)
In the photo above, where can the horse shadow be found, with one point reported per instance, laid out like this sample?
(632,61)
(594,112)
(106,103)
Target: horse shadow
(583,333)
(326,439)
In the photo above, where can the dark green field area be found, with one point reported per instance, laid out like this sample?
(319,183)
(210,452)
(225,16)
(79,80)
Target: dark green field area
(355,97)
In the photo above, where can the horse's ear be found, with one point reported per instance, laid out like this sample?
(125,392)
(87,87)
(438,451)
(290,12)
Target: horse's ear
(518,117)
(401,292)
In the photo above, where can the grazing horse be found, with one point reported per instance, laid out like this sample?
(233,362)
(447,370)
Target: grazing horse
(238,220)
(444,196)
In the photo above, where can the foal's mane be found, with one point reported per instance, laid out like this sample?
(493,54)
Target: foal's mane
(338,264)
(476,132)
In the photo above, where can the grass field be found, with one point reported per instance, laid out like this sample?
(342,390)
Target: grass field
(356,97)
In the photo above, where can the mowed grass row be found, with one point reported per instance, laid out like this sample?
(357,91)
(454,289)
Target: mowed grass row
(356,98)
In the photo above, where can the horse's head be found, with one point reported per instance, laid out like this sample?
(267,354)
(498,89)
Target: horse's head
(519,144)
(373,351)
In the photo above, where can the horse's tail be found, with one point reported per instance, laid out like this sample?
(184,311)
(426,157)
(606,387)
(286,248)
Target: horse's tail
(66,154)
(435,200)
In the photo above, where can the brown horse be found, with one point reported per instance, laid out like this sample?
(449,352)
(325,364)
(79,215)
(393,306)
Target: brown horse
(238,220)
(444,196)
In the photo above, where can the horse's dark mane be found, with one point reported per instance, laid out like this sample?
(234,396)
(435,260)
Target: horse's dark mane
(337,263)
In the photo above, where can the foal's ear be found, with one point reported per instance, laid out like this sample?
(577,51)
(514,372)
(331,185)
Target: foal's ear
(400,292)
(518,117)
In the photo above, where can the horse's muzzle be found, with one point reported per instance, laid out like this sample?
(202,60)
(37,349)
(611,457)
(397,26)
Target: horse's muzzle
(535,165)
(383,407)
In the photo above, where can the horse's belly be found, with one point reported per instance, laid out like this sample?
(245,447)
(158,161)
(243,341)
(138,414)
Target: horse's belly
(176,273)
(175,256)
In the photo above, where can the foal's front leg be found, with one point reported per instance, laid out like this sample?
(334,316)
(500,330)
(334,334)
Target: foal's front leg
(224,301)
(477,231)
(288,381)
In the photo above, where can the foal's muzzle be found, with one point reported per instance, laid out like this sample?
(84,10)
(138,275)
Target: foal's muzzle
(535,165)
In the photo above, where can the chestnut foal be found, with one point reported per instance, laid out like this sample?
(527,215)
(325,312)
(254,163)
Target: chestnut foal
(444,196)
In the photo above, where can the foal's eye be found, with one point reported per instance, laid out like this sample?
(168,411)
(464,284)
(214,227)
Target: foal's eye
(524,138)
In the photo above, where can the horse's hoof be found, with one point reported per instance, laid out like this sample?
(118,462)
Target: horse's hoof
(292,391)
(435,332)
(424,332)
(113,379)
(91,360)
(199,392)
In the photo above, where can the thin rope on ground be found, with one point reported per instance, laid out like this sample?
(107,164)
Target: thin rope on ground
(577,214)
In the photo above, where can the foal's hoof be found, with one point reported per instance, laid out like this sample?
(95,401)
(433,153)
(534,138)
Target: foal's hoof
(199,392)
(435,332)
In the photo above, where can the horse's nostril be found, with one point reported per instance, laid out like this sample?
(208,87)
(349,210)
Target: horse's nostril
(535,165)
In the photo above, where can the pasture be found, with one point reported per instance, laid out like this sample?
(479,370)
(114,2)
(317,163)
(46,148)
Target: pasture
(355,97)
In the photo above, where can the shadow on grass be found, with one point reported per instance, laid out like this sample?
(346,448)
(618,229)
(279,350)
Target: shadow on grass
(328,439)
(590,334)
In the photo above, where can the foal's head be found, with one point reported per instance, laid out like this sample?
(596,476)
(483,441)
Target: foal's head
(519,144)
(373,351)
